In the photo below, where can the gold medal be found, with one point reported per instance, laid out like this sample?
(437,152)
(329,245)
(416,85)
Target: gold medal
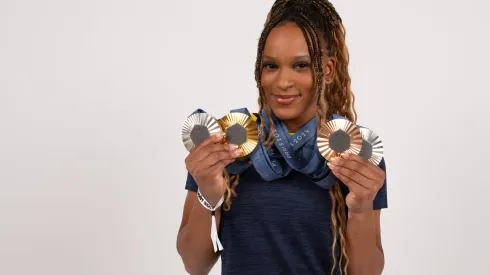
(338,137)
(372,146)
(197,127)
(241,130)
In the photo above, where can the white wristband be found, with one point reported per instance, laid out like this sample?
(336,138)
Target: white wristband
(214,231)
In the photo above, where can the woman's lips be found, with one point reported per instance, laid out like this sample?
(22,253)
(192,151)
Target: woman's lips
(285,99)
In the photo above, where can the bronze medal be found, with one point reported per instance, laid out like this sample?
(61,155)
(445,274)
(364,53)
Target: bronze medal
(338,137)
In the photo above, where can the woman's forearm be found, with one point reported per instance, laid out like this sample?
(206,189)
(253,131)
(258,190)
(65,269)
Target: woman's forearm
(194,243)
(365,257)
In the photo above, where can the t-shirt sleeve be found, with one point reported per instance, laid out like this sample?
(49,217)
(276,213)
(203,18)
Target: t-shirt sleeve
(190,183)
(381,199)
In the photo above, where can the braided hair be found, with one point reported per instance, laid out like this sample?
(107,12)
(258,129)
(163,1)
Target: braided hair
(325,35)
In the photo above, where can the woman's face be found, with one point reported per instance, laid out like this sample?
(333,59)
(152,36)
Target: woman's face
(287,76)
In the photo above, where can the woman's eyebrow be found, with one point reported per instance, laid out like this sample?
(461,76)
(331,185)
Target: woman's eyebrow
(302,56)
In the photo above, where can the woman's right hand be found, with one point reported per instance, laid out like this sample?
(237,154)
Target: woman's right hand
(206,162)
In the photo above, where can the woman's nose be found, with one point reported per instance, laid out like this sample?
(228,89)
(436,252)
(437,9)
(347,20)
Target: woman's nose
(284,80)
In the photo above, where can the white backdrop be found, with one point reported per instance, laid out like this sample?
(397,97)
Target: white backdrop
(93,95)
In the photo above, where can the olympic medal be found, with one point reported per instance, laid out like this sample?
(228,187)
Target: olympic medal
(239,129)
(372,146)
(197,127)
(338,137)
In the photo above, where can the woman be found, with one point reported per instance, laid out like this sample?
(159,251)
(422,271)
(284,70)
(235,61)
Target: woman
(292,224)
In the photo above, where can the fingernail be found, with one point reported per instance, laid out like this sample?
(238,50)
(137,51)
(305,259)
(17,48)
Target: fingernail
(237,152)
(334,160)
(232,146)
(218,135)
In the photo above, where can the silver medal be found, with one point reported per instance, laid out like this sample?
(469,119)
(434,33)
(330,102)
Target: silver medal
(197,127)
(372,146)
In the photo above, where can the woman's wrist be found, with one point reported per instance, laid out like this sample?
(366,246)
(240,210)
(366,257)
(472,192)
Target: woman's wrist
(361,213)
(212,192)
(212,203)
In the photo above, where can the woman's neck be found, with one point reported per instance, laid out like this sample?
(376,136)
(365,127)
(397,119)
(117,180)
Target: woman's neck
(294,125)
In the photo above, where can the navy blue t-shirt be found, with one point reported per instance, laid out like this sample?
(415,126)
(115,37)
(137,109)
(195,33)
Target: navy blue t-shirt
(279,227)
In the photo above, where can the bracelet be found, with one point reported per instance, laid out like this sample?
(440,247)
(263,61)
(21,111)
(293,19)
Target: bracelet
(214,232)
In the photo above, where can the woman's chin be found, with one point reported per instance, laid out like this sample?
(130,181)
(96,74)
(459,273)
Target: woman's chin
(285,113)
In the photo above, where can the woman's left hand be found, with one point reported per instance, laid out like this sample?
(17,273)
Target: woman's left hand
(363,179)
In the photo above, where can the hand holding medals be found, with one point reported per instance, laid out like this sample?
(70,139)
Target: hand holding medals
(235,128)
(353,155)
(213,144)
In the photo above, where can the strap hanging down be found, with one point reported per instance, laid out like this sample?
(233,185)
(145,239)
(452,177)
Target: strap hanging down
(214,231)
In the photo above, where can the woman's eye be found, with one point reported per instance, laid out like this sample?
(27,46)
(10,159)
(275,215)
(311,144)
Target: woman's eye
(269,66)
(302,65)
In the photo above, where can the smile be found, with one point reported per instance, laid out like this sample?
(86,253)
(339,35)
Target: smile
(286,99)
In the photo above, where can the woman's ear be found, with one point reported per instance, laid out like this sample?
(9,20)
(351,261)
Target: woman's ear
(329,70)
